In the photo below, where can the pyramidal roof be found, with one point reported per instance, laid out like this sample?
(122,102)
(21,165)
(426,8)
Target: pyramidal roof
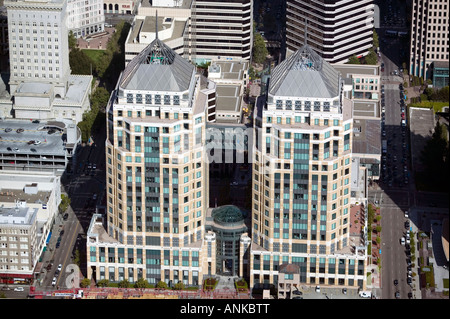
(304,74)
(157,68)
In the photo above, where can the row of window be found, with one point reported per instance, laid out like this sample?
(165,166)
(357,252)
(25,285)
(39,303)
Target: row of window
(156,99)
(304,106)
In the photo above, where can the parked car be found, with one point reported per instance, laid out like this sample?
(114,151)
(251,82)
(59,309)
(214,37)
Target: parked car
(402,240)
(18,289)
(406,214)
(54,281)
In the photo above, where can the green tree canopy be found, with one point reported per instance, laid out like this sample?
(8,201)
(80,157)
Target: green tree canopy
(259,49)
(142,283)
(79,62)
(72,40)
(353,60)
(161,285)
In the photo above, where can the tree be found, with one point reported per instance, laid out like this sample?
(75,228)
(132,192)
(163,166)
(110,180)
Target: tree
(141,283)
(79,62)
(161,285)
(65,202)
(371,58)
(259,49)
(376,42)
(103,283)
(178,286)
(353,60)
(124,284)
(72,40)
(86,282)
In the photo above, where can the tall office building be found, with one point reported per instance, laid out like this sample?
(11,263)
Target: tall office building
(40,80)
(85,17)
(157,180)
(220,30)
(336,30)
(429,36)
(301,178)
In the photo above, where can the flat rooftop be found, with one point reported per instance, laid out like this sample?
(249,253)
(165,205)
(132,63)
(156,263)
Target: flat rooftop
(229,70)
(51,144)
(366,137)
(228,98)
(182,4)
(347,70)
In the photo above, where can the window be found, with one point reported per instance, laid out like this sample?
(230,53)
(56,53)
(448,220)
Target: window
(138,98)
(166,99)
(129,98)
(157,99)
(148,99)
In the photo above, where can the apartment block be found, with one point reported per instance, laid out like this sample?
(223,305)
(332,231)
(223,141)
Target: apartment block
(301,178)
(336,30)
(429,36)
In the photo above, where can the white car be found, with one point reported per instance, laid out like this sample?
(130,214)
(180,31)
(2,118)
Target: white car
(37,142)
(406,214)
(54,281)
(402,240)
(59,267)
(317,289)
(18,289)
(365,294)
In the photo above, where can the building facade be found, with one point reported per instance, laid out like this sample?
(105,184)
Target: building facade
(85,17)
(220,30)
(40,82)
(157,179)
(429,36)
(336,30)
(28,206)
(301,177)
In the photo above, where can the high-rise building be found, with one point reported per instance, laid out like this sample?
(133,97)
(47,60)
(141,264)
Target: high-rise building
(301,178)
(336,30)
(157,179)
(220,30)
(85,17)
(429,36)
(41,82)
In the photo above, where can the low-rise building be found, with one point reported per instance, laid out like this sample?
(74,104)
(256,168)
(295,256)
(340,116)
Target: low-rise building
(33,146)
(28,206)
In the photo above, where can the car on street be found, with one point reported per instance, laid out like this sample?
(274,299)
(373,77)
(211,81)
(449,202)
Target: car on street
(59,267)
(407,224)
(406,214)
(54,281)
(19,130)
(397,294)
(297,292)
(51,131)
(18,289)
(15,149)
(409,280)
(402,240)
(36,121)
(318,289)
(410,295)
(395,282)
(233,183)
(365,294)
(66,215)
(8,129)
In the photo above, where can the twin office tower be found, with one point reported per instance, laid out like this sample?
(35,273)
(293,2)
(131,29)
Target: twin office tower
(158,224)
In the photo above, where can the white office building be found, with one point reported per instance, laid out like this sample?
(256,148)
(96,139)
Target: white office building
(85,17)
(336,30)
(41,82)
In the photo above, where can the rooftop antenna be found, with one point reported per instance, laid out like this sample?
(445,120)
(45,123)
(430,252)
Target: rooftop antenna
(156,24)
(306,28)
